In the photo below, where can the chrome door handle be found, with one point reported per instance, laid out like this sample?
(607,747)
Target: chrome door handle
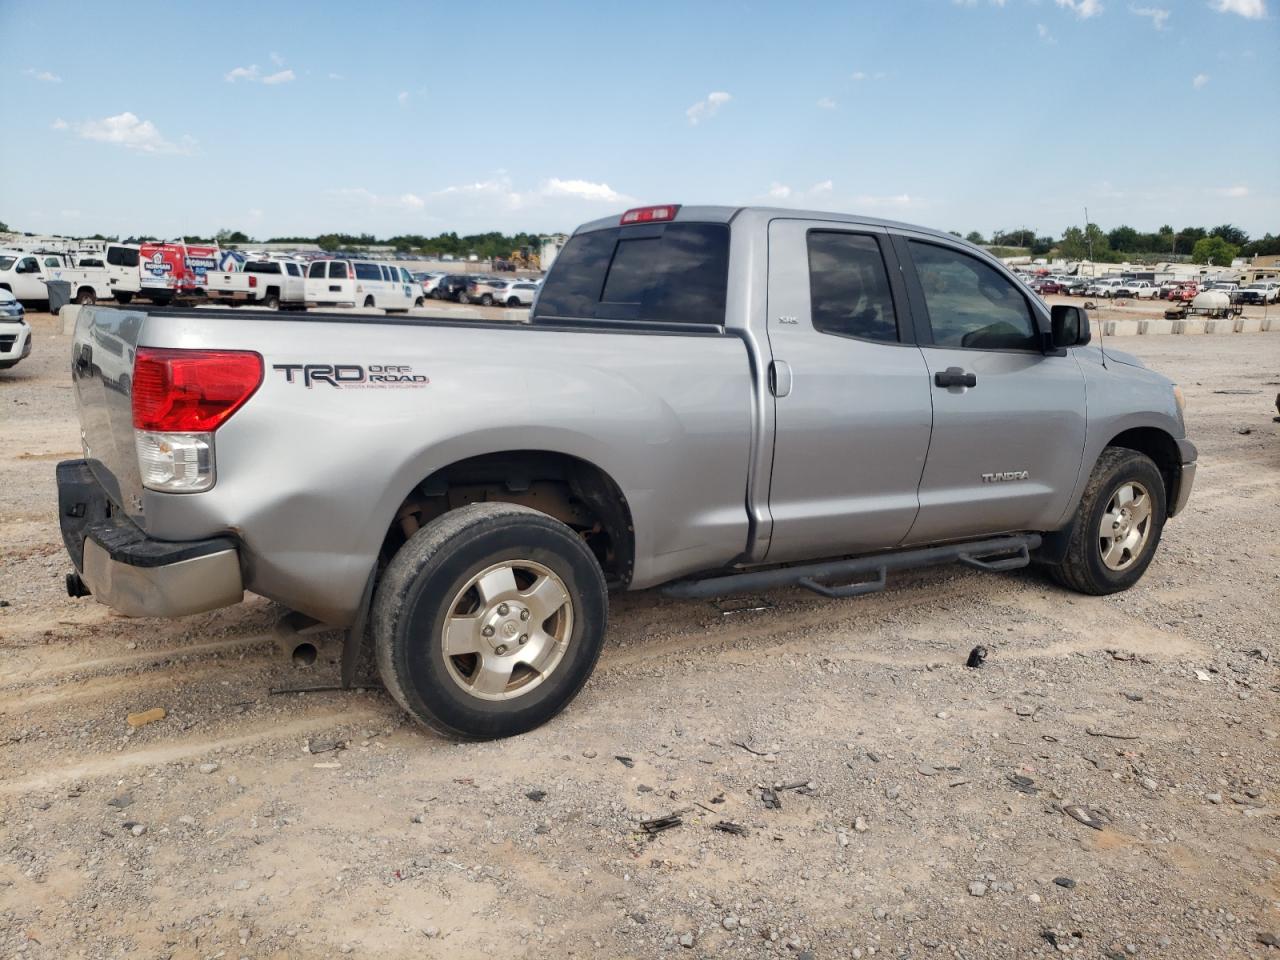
(779,378)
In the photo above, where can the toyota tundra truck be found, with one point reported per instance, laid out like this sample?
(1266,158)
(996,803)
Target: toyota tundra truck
(708,399)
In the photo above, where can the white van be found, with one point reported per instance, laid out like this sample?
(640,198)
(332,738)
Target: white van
(362,283)
(122,264)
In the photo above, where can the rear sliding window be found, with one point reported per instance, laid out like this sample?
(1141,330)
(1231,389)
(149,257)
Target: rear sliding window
(261,266)
(672,273)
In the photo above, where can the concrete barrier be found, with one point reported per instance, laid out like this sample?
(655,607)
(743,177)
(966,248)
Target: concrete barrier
(1120,328)
(1248,325)
(1188,327)
(1271,324)
(69,315)
(1221,325)
(1149,327)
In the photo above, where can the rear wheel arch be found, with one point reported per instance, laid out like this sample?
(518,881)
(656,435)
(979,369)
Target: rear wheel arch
(565,487)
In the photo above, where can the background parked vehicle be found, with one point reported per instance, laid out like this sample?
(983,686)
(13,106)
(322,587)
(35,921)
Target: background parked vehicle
(486,291)
(15,334)
(1105,287)
(26,275)
(361,283)
(174,270)
(520,293)
(1137,289)
(269,283)
(1267,291)
(452,286)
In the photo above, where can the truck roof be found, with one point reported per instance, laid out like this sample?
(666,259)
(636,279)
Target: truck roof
(722,214)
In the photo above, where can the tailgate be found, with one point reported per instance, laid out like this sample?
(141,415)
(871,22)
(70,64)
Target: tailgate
(102,376)
(228,282)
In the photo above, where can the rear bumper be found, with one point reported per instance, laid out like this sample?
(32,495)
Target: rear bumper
(1186,476)
(132,573)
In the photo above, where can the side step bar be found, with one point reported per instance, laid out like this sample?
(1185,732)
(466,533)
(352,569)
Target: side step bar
(997,554)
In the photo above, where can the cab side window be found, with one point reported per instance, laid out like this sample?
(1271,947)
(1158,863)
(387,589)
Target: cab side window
(28,265)
(970,304)
(849,292)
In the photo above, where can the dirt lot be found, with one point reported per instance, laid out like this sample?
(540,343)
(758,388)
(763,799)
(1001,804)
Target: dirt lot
(929,820)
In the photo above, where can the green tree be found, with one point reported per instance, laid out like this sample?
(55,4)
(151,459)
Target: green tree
(1230,233)
(225,236)
(1214,251)
(1266,246)
(973,236)
(1041,246)
(4,227)
(1124,239)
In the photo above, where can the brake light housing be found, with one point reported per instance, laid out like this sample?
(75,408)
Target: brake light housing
(179,399)
(658,214)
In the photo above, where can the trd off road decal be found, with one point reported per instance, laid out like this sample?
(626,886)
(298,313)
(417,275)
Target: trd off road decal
(352,376)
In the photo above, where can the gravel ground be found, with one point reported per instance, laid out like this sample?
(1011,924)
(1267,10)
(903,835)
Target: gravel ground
(892,802)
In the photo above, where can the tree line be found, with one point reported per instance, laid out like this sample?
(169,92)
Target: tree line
(1216,245)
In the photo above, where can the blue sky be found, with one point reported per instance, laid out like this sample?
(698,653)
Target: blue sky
(298,118)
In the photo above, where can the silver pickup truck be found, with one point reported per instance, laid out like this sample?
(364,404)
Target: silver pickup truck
(712,399)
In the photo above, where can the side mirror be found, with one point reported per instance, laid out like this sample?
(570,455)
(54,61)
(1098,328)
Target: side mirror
(1069,327)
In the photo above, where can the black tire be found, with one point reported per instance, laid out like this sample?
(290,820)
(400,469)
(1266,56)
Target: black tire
(486,301)
(420,302)
(1083,569)
(513,302)
(368,302)
(415,595)
(86,297)
(123,297)
(271,301)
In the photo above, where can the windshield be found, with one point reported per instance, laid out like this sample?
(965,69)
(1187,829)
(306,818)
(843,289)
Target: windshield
(6,262)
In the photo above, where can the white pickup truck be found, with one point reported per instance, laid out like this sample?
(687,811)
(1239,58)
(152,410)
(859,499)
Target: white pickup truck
(25,275)
(268,283)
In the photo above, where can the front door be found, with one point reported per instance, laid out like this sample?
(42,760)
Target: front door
(852,404)
(1008,421)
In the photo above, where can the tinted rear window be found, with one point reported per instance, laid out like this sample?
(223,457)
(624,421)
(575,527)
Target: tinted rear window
(122,256)
(261,266)
(368,271)
(676,273)
(338,270)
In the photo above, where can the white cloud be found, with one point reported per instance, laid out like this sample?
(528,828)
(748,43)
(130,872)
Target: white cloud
(1232,193)
(59,124)
(583,189)
(1249,9)
(406,201)
(1043,33)
(403,97)
(779,191)
(859,75)
(1158,15)
(897,200)
(242,73)
(284,76)
(44,76)
(826,103)
(276,58)
(1199,80)
(819,189)
(412,200)
(706,109)
(1084,9)
(129,131)
(335,76)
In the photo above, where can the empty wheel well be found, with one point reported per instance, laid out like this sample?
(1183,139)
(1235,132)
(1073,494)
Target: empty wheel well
(573,491)
(1161,448)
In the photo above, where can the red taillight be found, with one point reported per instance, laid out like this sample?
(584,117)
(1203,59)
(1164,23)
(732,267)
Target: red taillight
(651,214)
(253,281)
(191,391)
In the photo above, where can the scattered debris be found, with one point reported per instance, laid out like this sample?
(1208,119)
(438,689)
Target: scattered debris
(537,796)
(658,824)
(977,657)
(770,799)
(926,771)
(805,787)
(728,608)
(977,889)
(1109,734)
(1204,676)
(1065,882)
(1023,784)
(142,718)
(121,801)
(1269,939)
(728,826)
(325,746)
(753,750)
(207,768)
(625,761)
(1244,431)
(1083,815)
(1238,393)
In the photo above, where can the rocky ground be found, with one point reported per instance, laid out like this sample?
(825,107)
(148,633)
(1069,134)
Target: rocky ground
(845,785)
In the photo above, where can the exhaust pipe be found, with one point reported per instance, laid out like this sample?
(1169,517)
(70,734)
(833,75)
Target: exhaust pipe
(77,587)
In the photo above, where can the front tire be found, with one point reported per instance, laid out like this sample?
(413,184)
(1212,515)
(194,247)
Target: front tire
(489,620)
(123,298)
(1117,526)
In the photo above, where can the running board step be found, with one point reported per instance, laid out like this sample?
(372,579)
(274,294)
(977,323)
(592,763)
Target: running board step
(994,555)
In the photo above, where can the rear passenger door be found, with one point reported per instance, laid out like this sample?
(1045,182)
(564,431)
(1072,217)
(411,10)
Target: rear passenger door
(852,405)
(1005,452)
